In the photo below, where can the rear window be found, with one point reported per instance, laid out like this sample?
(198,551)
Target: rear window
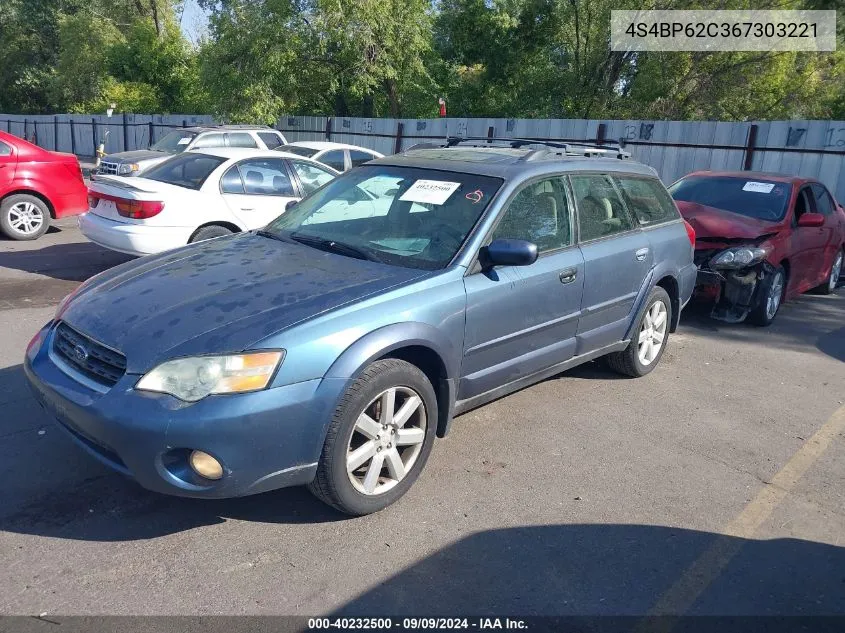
(272,141)
(647,199)
(300,151)
(186,170)
(751,197)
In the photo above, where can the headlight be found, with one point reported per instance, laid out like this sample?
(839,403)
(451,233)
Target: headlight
(127,168)
(740,257)
(196,377)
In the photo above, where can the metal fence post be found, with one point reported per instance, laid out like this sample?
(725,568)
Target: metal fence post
(600,134)
(329,128)
(491,132)
(397,146)
(35,132)
(25,130)
(72,136)
(151,134)
(56,132)
(125,133)
(749,147)
(94,134)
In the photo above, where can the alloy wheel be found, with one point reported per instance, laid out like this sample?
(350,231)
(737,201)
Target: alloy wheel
(386,441)
(652,333)
(835,272)
(775,295)
(25,218)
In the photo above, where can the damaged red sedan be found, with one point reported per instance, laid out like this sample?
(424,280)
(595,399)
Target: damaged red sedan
(760,239)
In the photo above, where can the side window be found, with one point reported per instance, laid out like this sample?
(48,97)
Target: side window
(802,204)
(209,140)
(539,213)
(647,200)
(241,139)
(231,182)
(270,139)
(357,157)
(333,159)
(266,177)
(600,210)
(311,177)
(5,150)
(824,204)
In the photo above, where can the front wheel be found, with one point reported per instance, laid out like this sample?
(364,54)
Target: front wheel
(770,299)
(649,341)
(379,439)
(833,275)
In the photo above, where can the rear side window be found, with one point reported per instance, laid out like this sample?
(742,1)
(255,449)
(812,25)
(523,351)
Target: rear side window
(210,140)
(333,159)
(357,157)
(271,140)
(600,209)
(232,181)
(241,139)
(5,150)
(647,200)
(824,204)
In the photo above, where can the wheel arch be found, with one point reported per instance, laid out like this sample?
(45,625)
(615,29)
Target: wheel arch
(231,226)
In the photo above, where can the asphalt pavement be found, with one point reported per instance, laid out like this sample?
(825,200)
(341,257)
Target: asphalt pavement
(712,486)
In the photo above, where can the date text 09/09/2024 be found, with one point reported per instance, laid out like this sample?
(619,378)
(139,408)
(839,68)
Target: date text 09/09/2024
(417,623)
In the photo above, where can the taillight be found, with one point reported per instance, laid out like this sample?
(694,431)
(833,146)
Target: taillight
(138,209)
(690,233)
(93,200)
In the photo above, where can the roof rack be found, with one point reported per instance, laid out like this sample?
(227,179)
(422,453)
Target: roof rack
(562,148)
(233,126)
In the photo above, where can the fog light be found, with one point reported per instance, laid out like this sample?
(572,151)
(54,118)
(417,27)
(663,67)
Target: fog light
(205,465)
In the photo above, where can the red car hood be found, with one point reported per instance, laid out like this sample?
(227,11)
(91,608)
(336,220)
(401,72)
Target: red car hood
(712,222)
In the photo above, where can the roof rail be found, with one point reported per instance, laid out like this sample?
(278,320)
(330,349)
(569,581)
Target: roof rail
(565,148)
(232,126)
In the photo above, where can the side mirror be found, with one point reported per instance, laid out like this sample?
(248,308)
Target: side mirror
(290,204)
(505,252)
(811,220)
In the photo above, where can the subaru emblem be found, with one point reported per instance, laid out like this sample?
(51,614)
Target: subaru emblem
(80,353)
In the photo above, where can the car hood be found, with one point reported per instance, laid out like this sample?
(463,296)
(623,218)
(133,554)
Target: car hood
(135,157)
(710,222)
(219,296)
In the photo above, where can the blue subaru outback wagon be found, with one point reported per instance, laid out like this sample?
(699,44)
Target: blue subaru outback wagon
(332,346)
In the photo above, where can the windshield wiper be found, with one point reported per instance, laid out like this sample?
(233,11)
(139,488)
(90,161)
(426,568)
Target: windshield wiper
(334,246)
(275,236)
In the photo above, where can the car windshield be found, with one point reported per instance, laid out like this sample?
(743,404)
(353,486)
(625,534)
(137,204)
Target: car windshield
(296,149)
(418,218)
(753,198)
(174,142)
(186,170)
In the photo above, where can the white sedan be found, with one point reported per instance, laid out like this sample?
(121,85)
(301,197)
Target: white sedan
(339,156)
(196,196)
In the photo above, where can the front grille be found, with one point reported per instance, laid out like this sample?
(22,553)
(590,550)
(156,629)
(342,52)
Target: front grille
(85,355)
(108,169)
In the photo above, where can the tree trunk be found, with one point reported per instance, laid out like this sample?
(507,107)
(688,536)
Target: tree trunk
(393,98)
(156,17)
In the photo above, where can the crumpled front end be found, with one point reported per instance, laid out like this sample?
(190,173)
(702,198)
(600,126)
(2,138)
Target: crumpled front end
(733,292)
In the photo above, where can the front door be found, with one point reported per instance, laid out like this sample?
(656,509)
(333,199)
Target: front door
(617,258)
(523,319)
(808,242)
(256,190)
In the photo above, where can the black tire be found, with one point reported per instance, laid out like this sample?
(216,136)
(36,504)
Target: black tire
(332,483)
(827,288)
(627,362)
(760,314)
(209,232)
(6,210)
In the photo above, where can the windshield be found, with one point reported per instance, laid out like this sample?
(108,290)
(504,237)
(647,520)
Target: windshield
(760,199)
(186,170)
(417,218)
(296,149)
(174,142)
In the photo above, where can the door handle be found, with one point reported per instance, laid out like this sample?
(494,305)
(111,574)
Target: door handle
(640,254)
(568,276)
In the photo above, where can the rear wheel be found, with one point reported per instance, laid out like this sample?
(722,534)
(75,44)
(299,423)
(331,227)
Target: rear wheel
(834,275)
(209,232)
(770,299)
(379,439)
(24,217)
(649,341)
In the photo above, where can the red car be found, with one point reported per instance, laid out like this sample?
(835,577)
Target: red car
(760,239)
(35,186)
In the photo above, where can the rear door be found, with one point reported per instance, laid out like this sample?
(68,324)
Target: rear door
(256,190)
(523,319)
(7,166)
(831,230)
(617,258)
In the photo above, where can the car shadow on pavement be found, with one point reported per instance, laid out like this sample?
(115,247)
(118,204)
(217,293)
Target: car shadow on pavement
(67,262)
(612,569)
(808,322)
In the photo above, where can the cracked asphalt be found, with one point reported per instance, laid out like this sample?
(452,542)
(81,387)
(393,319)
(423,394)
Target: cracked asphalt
(715,485)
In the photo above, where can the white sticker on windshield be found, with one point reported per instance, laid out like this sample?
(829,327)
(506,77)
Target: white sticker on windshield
(758,187)
(184,141)
(430,191)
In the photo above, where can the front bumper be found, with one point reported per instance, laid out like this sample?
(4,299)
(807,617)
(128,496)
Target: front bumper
(265,440)
(734,293)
